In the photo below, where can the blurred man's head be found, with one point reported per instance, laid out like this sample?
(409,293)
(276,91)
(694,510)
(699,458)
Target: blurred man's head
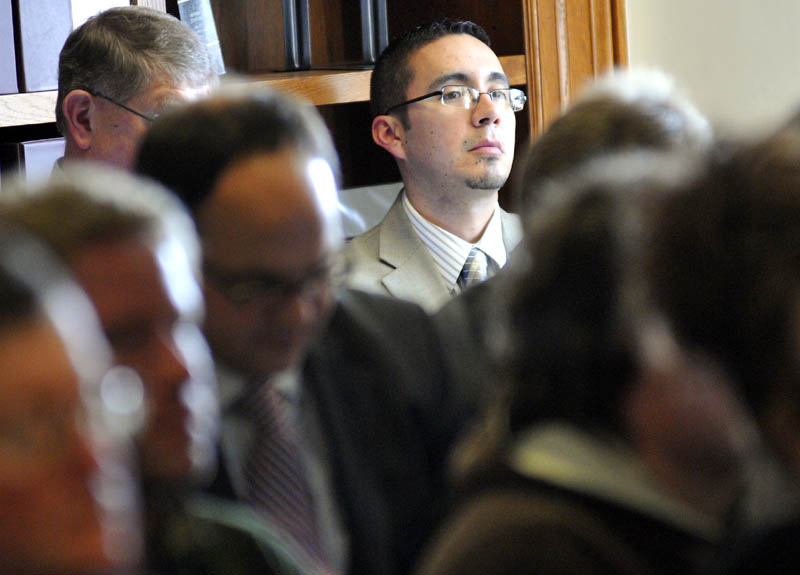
(725,269)
(588,349)
(622,112)
(131,247)
(257,170)
(52,359)
(117,72)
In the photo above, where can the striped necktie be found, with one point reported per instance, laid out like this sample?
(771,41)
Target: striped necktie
(475,270)
(276,479)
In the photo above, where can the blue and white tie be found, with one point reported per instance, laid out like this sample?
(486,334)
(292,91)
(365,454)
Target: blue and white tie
(475,270)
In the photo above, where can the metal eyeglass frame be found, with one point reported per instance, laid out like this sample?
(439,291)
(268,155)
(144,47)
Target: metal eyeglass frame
(476,94)
(124,107)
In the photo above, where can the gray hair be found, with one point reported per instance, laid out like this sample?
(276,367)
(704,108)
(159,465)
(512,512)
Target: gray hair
(121,51)
(626,110)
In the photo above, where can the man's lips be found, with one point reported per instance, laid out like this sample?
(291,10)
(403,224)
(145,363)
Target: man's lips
(488,147)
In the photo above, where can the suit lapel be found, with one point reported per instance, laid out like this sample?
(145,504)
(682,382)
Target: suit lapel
(512,230)
(415,275)
(336,377)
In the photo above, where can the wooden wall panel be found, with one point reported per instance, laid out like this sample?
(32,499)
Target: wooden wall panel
(569,42)
(232,32)
(619,24)
(581,43)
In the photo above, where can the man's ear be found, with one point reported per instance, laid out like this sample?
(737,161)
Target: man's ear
(78,107)
(389,133)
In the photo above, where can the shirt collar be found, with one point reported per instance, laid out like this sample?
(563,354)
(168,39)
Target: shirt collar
(607,469)
(450,251)
(233,386)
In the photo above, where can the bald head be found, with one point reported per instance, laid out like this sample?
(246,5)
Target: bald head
(271,233)
(279,203)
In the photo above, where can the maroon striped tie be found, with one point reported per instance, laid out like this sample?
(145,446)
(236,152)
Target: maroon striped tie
(276,479)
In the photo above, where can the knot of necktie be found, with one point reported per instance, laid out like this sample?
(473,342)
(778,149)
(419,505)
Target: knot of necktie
(476,268)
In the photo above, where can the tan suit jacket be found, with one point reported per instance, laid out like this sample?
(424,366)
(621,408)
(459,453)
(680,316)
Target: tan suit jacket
(391,259)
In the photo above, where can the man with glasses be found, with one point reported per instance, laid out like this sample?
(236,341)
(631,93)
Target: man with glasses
(336,413)
(444,109)
(116,72)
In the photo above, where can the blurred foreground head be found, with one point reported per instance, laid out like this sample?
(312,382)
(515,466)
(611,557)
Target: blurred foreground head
(624,111)
(67,500)
(725,269)
(132,247)
(257,169)
(588,349)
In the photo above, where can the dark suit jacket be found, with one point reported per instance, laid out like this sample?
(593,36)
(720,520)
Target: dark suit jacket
(468,326)
(773,552)
(391,416)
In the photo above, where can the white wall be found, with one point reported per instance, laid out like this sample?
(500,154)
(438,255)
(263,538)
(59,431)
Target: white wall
(738,60)
(83,9)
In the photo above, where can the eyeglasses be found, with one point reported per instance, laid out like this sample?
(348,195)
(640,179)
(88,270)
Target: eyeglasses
(151,118)
(243,288)
(465,97)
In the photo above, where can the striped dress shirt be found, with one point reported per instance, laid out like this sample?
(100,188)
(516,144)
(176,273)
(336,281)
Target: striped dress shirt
(450,251)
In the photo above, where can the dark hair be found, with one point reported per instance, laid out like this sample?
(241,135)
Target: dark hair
(189,149)
(626,111)
(576,296)
(391,75)
(725,263)
(121,51)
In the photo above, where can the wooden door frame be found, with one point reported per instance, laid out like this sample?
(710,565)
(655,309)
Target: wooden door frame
(567,43)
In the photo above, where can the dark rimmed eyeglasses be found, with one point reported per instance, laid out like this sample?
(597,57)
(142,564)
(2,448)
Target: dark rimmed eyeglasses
(245,287)
(149,118)
(465,97)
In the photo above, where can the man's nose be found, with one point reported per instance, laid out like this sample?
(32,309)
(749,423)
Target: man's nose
(486,111)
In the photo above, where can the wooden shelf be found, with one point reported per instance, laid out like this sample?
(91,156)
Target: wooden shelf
(320,87)
(26,109)
(324,87)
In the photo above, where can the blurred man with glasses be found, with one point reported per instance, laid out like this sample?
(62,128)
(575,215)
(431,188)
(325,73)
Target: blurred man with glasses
(336,414)
(444,109)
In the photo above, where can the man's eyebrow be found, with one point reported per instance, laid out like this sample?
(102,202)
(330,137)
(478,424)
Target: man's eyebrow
(462,78)
(445,79)
(498,77)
